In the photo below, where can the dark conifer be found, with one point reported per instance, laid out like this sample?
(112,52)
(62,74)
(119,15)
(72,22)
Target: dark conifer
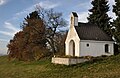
(98,15)
(116,22)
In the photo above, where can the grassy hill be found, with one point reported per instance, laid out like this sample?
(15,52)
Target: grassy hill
(107,67)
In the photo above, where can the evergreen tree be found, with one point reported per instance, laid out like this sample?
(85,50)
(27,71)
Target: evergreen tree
(116,23)
(99,15)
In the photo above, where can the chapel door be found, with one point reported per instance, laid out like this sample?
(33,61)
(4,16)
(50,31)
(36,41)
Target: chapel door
(72,48)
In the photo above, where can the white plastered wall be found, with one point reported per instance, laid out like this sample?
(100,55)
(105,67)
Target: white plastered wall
(72,35)
(95,48)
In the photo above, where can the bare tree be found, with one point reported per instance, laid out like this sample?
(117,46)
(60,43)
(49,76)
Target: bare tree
(53,22)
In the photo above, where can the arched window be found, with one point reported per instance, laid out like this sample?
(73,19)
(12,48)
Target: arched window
(71,20)
(106,48)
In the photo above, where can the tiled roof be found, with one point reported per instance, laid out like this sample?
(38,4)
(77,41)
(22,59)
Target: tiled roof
(88,31)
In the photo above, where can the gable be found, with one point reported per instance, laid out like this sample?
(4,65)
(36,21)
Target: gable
(88,31)
(72,35)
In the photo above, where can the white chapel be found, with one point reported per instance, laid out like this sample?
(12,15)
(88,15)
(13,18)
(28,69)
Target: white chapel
(85,39)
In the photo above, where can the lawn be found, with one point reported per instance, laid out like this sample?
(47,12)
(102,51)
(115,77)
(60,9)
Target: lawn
(107,67)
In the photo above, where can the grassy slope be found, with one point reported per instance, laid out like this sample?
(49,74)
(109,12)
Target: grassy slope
(107,68)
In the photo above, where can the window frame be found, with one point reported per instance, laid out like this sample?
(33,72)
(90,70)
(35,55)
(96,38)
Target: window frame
(106,48)
(87,44)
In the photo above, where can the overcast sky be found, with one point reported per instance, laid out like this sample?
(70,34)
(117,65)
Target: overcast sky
(12,13)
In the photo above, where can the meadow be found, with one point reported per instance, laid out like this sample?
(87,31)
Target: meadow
(103,67)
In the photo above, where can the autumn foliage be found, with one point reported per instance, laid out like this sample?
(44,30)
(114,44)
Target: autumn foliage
(30,43)
(39,36)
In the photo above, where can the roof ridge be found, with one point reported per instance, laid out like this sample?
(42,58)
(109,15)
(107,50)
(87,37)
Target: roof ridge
(75,14)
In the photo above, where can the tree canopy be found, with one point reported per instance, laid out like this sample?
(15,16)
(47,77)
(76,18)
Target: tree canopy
(28,43)
(116,22)
(98,15)
(39,36)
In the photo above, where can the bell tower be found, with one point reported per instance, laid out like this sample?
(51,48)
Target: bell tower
(74,19)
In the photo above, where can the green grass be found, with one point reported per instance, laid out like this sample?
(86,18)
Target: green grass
(109,67)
